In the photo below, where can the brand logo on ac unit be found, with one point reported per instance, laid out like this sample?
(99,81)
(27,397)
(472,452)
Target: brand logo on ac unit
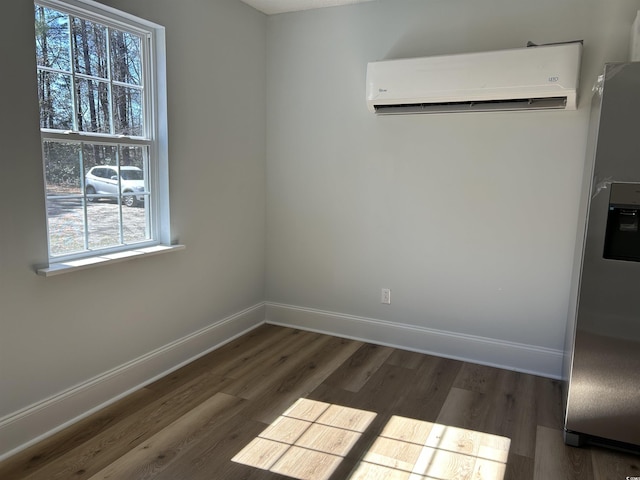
(553,79)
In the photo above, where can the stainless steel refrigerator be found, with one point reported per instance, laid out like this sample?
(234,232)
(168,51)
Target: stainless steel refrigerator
(603,363)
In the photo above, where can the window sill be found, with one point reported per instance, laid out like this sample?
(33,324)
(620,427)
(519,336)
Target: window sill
(90,262)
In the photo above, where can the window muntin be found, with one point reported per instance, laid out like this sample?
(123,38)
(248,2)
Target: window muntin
(95,88)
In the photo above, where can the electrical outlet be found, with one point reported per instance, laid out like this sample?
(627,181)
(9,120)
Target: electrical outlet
(386,296)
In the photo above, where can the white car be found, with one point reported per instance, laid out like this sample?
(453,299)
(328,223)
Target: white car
(103,180)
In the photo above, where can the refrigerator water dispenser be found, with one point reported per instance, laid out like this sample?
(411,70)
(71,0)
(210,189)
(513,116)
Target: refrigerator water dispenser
(622,237)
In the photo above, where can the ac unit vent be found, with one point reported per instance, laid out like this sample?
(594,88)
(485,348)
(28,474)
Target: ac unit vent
(480,106)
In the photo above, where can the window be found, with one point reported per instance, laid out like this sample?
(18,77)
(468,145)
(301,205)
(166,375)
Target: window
(101,121)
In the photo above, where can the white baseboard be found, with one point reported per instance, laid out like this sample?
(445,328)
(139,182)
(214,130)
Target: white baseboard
(519,357)
(32,424)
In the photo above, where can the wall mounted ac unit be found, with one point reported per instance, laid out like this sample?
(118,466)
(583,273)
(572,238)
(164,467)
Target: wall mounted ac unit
(532,78)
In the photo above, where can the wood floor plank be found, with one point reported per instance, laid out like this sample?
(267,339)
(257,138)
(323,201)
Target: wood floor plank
(103,449)
(278,365)
(210,458)
(464,409)
(614,465)
(549,409)
(477,378)
(425,393)
(394,454)
(407,430)
(240,363)
(381,394)
(511,411)
(384,390)
(154,454)
(40,455)
(226,360)
(519,468)
(553,459)
(365,402)
(358,369)
(305,464)
(495,401)
(406,359)
(372,471)
(300,381)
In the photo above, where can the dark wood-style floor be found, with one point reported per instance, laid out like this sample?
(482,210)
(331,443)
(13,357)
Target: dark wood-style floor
(363,412)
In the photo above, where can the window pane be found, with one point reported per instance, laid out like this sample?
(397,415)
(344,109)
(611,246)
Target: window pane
(96,154)
(126,63)
(103,221)
(97,179)
(56,105)
(66,226)
(127,111)
(52,39)
(136,222)
(90,48)
(62,168)
(135,156)
(133,174)
(93,106)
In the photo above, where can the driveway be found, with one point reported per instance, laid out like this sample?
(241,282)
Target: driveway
(66,225)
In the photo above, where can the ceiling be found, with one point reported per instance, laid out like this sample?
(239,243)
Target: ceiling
(271,7)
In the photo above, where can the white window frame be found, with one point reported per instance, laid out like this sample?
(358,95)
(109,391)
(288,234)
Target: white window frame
(155,130)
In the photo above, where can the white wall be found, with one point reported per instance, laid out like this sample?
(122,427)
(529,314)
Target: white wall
(56,333)
(469,219)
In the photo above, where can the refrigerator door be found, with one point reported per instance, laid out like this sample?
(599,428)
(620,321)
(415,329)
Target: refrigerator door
(604,386)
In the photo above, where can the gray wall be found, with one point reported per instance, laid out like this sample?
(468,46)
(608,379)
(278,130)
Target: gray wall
(469,219)
(58,332)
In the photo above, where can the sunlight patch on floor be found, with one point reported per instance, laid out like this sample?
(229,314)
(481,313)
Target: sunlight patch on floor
(309,441)
(409,449)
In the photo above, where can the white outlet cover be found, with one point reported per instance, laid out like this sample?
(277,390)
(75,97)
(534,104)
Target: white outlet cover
(385,296)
